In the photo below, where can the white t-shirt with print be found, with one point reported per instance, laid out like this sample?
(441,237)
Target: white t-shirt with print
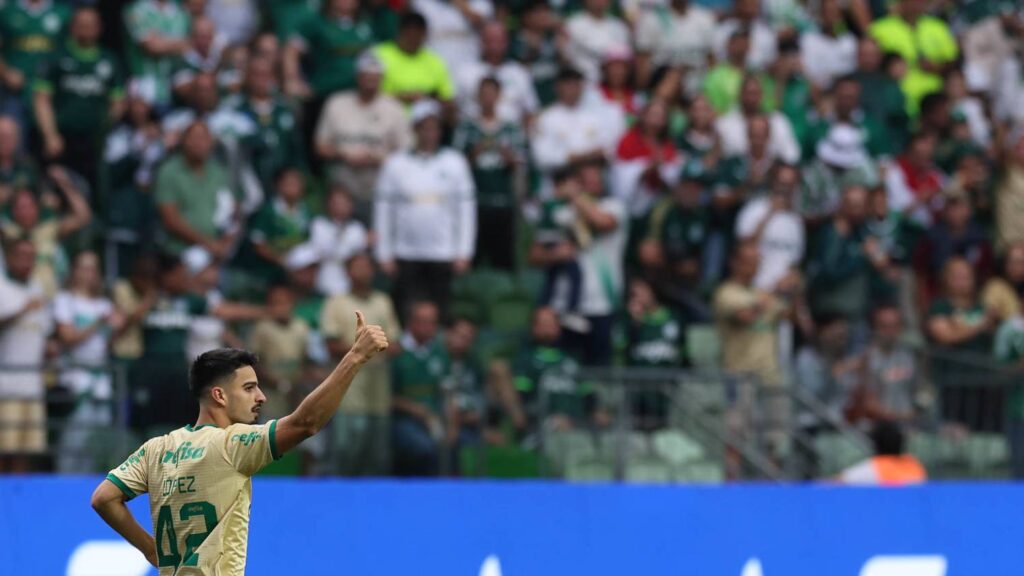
(781,244)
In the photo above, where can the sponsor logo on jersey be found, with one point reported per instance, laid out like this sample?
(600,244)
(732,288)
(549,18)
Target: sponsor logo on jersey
(184,452)
(133,459)
(247,439)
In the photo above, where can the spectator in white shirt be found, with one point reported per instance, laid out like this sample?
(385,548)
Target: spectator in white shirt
(771,222)
(570,132)
(453,27)
(592,32)
(732,127)
(86,320)
(763,41)
(681,34)
(518,101)
(25,323)
(357,130)
(337,237)
(425,215)
(830,51)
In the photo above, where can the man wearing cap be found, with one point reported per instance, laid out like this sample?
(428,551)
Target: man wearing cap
(841,162)
(425,214)
(358,130)
(569,131)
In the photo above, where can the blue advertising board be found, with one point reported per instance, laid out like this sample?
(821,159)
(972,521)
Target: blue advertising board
(535,528)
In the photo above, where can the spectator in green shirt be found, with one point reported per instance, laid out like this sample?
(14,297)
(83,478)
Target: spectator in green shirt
(722,83)
(194,197)
(496,150)
(332,40)
(276,141)
(158,30)
(678,247)
(547,379)
(881,99)
(31,31)
(655,340)
(281,224)
(78,93)
(417,426)
(160,397)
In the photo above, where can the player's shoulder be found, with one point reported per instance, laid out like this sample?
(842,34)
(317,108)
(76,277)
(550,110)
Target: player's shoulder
(247,434)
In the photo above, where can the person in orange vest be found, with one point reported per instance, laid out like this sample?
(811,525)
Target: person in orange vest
(890,466)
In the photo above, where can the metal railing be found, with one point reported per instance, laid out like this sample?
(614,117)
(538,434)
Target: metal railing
(629,424)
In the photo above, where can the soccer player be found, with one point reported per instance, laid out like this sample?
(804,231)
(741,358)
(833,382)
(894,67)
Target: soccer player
(200,477)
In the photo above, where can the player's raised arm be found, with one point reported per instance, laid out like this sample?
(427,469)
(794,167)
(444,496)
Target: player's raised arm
(317,409)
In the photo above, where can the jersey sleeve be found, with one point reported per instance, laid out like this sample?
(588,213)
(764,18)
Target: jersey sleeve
(132,477)
(251,447)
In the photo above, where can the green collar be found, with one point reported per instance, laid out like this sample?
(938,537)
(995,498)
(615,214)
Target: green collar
(81,53)
(200,427)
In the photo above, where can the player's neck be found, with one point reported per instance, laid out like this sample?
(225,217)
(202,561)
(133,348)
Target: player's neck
(213,417)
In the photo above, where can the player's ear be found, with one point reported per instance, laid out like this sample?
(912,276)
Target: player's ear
(218,395)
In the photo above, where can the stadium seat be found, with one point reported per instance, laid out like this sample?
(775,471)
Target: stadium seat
(590,470)
(987,454)
(649,470)
(676,448)
(511,313)
(703,347)
(702,472)
(836,452)
(566,448)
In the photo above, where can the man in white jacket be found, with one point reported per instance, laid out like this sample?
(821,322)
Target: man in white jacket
(425,214)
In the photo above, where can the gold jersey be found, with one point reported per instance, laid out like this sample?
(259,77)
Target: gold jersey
(199,482)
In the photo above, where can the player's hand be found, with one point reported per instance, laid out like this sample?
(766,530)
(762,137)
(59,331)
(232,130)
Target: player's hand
(370,339)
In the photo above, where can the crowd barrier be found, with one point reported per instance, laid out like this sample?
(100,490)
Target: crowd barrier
(535,529)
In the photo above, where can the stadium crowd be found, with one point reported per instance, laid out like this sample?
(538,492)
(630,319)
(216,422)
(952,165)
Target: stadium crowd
(581,182)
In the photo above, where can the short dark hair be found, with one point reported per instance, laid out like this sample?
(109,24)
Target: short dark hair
(412,20)
(489,80)
(285,170)
(166,262)
(887,438)
(212,366)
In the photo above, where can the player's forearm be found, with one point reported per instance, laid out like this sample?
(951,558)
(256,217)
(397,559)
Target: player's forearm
(118,517)
(317,409)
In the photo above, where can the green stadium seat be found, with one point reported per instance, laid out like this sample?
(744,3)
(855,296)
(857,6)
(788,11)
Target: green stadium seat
(703,347)
(499,462)
(510,314)
(649,470)
(592,470)
(987,454)
(677,448)
(702,472)
(566,448)
(837,452)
